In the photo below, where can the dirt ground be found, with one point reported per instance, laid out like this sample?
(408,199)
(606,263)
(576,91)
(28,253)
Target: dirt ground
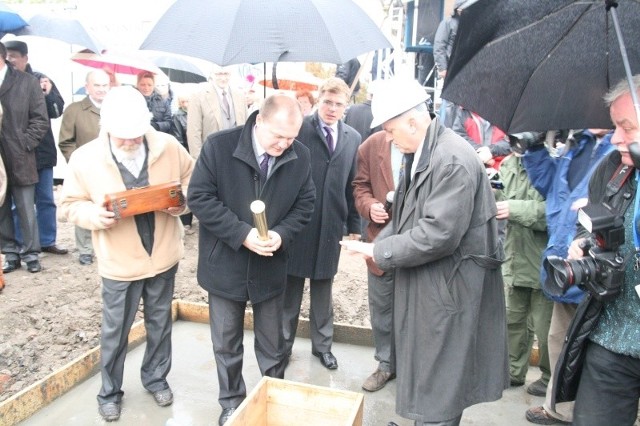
(52,317)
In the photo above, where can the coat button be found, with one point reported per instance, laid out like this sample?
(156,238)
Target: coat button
(387,254)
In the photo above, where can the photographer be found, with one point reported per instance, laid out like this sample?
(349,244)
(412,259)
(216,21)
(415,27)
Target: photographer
(563,182)
(609,382)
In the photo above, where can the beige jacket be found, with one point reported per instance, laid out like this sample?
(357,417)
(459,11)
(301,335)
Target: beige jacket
(204,116)
(94,173)
(80,124)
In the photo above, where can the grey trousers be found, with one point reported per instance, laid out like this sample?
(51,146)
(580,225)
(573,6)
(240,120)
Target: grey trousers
(381,312)
(83,241)
(320,313)
(24,199)
(561,318)
(120,303)
(451,422)
(226,319)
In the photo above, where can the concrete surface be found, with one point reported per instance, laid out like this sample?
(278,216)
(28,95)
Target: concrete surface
(194,382)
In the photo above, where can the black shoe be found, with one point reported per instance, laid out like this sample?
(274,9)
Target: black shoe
(10,266)
(110,411)
(226,413)
(327,360)
(34,266)
(85,259)
(537,388)
(54,249)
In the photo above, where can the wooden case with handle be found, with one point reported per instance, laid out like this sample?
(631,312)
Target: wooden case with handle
(144,200)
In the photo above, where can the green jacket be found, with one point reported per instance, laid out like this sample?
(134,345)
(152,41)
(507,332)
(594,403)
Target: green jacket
(526,236)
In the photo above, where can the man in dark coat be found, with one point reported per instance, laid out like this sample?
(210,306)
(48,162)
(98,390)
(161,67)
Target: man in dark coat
(259,161)
(46,153)
(25,123)
(442,244)
(315,254)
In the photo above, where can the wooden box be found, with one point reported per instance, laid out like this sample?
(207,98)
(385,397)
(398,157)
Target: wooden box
(277,402)
(144,200)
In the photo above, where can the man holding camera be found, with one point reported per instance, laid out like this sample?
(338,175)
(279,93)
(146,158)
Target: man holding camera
(609,383)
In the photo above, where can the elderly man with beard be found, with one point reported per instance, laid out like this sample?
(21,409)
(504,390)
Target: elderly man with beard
(137,255)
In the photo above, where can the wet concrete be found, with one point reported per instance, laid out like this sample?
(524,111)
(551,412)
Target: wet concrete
(193,379)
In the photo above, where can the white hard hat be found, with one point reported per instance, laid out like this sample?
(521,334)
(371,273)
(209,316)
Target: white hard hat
(124,113)
(394,97)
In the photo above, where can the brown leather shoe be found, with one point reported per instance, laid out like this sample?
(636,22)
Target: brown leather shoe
(377,380)
(539,416)
(54,249)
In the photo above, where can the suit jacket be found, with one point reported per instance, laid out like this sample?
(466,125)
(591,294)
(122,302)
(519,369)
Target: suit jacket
(80,124)
(372,182)
(24,124)
(205,118)
(316,251)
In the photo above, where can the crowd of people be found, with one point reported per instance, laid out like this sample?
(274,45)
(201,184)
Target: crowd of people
(454,219)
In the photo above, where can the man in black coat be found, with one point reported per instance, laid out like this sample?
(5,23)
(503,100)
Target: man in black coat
(46,153)
(259,161)
(315,255)
(24,124)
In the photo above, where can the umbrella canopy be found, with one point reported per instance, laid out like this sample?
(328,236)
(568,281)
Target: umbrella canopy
(9,19)
(541,65)
(251,31)
(179,68)
(116,62)
(63,28)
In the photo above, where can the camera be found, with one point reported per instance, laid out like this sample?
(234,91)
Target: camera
(494,179)
(601,272)
(520,142)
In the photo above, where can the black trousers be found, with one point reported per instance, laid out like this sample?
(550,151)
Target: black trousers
(226,318)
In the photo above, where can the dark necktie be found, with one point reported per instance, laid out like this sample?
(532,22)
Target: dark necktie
(405,169)
(329,139)
(225,105)
(264,166)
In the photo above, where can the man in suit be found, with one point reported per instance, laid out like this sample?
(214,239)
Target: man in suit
(81,124)
(216,106)
(379,169)
(259,161)
(25,122)
(315,255)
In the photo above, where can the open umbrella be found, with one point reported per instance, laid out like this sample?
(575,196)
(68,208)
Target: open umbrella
(179,68)
(119,63)
(251,31)
(9,19)
(63,28)
(543,64)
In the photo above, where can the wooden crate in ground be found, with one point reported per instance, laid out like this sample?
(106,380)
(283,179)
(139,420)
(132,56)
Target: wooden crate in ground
(277,402)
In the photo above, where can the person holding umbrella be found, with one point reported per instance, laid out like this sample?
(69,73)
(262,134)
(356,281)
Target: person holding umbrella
(449,305)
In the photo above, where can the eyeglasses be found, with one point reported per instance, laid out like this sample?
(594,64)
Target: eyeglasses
(331,104)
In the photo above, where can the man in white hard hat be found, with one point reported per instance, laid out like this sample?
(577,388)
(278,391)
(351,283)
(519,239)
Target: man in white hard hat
(449,313)
(137,255)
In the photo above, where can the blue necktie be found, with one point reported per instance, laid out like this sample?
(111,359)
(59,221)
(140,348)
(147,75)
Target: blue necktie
(329,139)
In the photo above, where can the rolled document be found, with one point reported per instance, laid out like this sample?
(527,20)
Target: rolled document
(260,219)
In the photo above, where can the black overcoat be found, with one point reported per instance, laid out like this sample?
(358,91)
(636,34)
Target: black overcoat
(316,251)
(223,185)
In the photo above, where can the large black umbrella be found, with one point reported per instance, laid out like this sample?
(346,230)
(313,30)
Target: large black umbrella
(543,64)
(252,31)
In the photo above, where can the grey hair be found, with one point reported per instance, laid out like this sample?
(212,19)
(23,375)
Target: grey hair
(620,89)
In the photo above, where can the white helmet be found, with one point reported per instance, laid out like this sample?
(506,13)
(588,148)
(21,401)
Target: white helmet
(394,97)
(124,113)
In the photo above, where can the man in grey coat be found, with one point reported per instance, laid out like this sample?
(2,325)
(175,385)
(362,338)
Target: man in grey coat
(449,311)
(24,124)
(315,253)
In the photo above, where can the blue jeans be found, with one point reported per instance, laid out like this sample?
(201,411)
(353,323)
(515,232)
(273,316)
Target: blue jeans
(45,210)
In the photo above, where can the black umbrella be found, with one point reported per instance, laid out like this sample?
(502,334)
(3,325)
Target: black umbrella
(543,64)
